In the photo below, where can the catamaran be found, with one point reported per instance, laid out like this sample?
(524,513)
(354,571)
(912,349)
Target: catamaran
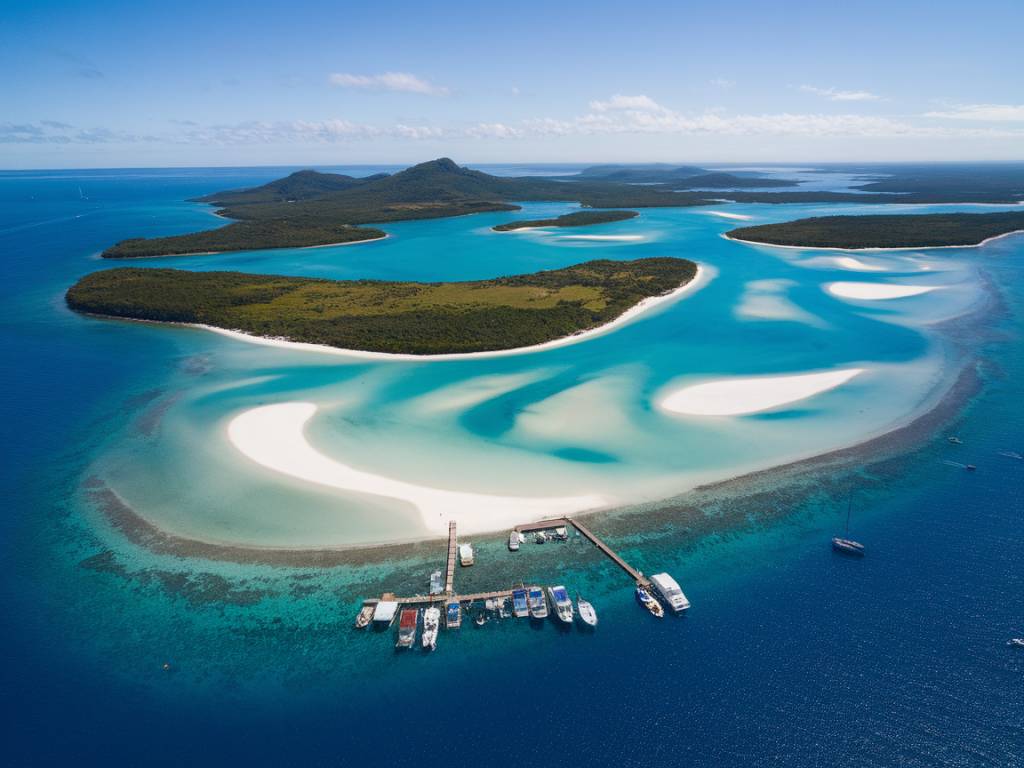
(587,613)
(649,602)
(431,622)
(513,541)
(436,583)
(538,608)
(520,607)
(562,604)
(453,616)
(844,544)
(407,628)
(668,590)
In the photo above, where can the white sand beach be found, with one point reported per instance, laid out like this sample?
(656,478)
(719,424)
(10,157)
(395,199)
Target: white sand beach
(877,291)
(273,437)
(703,276)
(740,396)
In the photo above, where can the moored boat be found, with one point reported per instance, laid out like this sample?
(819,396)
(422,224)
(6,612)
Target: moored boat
(540,537)
(431,623)
(407,628)
(384,612)
(955,440)
(513,541)
(364,617)
(436,583)
(668,590)
(520,606)
(648,602)
(562,604)
(466,554)
(453,615)
(561,533)
(538,606)
(586,611)
(847,546)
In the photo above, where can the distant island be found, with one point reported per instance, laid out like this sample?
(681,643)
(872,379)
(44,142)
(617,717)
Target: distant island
(394,317)
(932,230)
(576,219)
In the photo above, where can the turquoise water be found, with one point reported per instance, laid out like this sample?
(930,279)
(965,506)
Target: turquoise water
(789,654)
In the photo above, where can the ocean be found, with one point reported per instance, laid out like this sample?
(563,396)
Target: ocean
(121,648)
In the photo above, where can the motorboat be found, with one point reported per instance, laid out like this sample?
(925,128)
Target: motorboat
(431,623)
(1016,642)
(649,602)
(513,541)
(407,627)
(466,554)
(520,606)
(538,607)
(954,440)
(364,617)
(453,615)
(586,611)
(436,583)
(540,537)
(562,604)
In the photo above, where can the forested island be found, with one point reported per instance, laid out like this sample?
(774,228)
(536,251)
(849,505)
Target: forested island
(929,230)
(395,317)
(576,219)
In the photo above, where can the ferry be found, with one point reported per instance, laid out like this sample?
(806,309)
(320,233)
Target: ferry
(513,541)
(365,617)
(520,607)
(431,623)
(465,555)
(538,608)
(668,590)
(453,616)
(562,604)
(407,628)
(649,602)
(436,583)
(587,613)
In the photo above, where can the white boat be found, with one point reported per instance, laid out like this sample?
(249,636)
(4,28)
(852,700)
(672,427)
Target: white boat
(513,541)
(562,604)
(649,602)
(561,534)
(436,583)
(520,606)
(844,544)
(365,617)
(431,623)
(453,615)
(538,607)
(385,612)
(466,554)
(668,590)
(587,613)
(540,537)
(1016,642)
(407,628)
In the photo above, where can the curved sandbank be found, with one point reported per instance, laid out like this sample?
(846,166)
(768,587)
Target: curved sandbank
(874,249)
(701,277)
(273,437)
(877,291)
(605,238)
(725,215)
(741,396)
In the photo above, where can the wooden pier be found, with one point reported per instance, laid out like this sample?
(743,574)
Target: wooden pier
(565,522)
(453,546)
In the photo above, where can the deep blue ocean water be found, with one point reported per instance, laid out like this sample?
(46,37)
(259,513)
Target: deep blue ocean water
(790,656)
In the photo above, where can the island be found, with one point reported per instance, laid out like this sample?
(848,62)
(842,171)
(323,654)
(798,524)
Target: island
(930,230)
(576,219)
(392,317)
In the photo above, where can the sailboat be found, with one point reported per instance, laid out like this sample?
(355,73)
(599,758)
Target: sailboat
(845,544)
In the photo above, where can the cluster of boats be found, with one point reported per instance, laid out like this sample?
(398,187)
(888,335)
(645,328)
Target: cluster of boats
(515,538)
(661,588)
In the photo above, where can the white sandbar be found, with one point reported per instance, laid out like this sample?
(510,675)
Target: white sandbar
(877,291)
(273,437)
(736,397)
(725,215)
(605,238)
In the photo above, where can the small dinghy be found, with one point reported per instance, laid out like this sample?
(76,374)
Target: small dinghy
(587,613)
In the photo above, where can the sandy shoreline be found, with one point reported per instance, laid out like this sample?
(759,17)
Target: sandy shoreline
(874,250)
(245,250)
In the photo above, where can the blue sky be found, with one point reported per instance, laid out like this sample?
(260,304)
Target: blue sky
(117,84)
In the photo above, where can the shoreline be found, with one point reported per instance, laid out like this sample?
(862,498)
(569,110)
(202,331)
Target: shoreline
(872,249)
(385,236)
(701,277)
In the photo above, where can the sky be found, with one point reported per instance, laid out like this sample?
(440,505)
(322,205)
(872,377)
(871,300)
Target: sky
(139,84)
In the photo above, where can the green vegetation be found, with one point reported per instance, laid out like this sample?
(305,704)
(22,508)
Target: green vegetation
(898,231)
(577,219)
(243,236)
(305,207)
(398,317)
(683,177)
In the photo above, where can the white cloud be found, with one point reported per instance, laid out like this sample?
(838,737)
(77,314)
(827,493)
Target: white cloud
(403,82)
(618,102)
(834,94)
(989,112)
(721,82)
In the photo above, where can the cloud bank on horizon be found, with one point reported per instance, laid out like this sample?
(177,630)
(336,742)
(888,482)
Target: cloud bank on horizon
(408,82)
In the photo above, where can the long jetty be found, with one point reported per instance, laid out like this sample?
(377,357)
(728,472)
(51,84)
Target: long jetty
(541,525)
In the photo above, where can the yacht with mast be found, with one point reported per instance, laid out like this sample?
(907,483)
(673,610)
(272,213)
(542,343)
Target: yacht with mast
(844,543)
